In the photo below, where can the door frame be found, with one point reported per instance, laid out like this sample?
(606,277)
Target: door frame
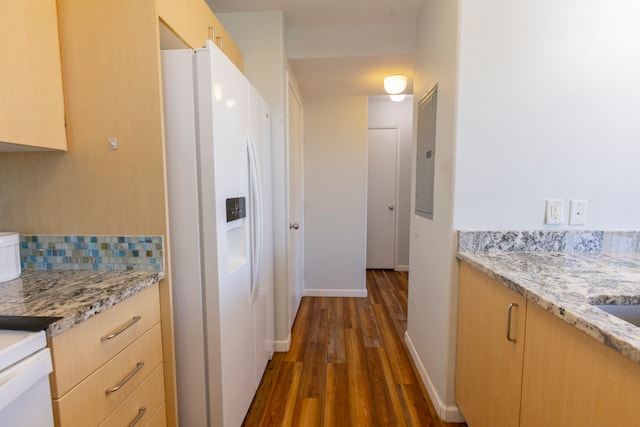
(397,189)
(291,87)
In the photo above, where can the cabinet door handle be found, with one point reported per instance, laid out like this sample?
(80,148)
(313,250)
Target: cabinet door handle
(139,366)
(509,309)
(121,329)
(141,413)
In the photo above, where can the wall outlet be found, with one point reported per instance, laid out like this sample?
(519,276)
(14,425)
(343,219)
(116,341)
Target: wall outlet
(553,212)
(578,212)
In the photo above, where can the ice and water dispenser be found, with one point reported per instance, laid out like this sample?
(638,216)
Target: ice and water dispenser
(236,232)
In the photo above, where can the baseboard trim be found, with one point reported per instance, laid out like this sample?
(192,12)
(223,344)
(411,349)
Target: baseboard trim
(447,413)
(402,268)
(349,293)
(282,346)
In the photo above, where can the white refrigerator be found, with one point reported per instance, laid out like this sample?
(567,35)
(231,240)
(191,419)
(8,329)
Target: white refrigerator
(218,160)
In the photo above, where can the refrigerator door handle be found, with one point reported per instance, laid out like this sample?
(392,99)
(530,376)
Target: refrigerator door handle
(257,225)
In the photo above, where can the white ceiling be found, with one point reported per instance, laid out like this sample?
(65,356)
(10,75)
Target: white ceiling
(342,47)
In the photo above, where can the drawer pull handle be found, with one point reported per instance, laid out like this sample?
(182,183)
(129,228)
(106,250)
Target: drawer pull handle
(141,413)
(121,329)
(509,308)
(139,366)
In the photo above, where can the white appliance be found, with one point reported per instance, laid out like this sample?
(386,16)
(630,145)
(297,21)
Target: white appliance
(218,155)
(25,364)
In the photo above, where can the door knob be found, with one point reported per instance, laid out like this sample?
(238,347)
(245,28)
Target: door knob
(293,226)
(391,207)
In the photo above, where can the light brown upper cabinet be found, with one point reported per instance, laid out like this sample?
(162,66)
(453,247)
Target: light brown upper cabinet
(31,97)
(195,23)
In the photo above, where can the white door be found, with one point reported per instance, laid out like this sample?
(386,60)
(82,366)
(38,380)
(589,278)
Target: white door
(296,200)
(381,198)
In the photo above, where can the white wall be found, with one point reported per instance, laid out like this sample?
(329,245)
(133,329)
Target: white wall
(385,113)
(431,324)
(335,153)
(264,65)
(549,102)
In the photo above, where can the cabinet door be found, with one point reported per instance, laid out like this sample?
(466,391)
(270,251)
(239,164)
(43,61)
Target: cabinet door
(489,366)
(194,22)
(31,99)
(570,379)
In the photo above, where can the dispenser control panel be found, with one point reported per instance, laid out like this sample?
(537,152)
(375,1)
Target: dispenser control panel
(236,208)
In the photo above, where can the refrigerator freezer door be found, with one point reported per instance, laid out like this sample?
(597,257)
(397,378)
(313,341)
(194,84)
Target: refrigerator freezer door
(223,120)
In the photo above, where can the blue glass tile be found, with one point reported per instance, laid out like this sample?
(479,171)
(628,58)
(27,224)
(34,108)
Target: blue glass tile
(87,252)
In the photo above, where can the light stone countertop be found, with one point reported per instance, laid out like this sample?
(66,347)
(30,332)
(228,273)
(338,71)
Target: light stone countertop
(568,284)
(72,295)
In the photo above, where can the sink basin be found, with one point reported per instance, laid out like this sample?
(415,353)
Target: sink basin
(628,313)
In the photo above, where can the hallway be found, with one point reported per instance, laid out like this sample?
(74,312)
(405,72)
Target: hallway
(348,365)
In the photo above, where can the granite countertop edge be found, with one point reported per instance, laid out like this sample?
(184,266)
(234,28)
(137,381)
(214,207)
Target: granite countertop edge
(72,295)
(570,305)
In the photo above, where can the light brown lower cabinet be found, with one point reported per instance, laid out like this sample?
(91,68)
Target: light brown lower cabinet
(571,379)
(552,375)
(159,419)
(108,370)
(488,364)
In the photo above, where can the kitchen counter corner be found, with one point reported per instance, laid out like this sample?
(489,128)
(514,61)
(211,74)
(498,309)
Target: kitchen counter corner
(71,295)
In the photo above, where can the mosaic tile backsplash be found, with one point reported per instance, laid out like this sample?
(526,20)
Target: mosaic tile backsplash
(549,241)
(137,253)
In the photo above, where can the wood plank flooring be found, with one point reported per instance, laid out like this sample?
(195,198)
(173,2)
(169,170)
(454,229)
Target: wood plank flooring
(347,366)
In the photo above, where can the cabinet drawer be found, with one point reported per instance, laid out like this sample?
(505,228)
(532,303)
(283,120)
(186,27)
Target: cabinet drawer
(82,349)
(142,405)
(159,419)
(89,402)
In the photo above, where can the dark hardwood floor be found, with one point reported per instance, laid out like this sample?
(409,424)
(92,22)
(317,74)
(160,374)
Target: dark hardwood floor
(348,365)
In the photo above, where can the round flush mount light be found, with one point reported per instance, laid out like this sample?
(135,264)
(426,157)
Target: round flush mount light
(398,97)
(395,84)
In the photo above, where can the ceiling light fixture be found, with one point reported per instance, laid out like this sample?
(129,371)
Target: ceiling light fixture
(395,84)
(398,97)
